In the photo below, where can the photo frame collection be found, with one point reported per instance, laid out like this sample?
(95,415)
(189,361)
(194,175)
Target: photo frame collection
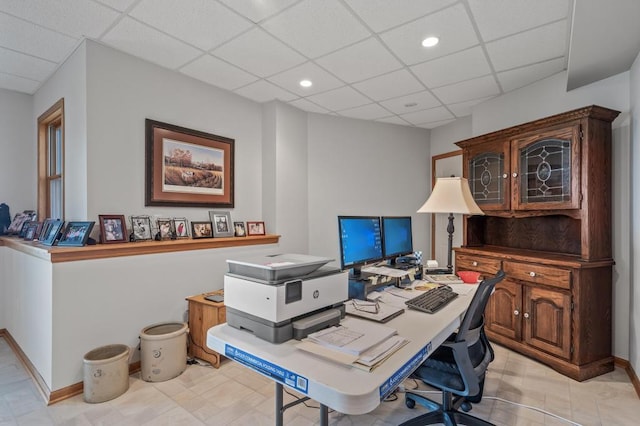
(116,228)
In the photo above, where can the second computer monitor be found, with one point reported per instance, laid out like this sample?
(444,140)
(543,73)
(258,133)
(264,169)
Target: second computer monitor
(396,236)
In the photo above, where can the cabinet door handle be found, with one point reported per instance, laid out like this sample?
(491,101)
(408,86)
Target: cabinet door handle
(532,274)
(516,312)
(474,263)
(505,175)
(526,315)
(514,174)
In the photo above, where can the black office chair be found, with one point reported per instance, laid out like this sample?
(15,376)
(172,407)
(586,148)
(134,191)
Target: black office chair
(458,367)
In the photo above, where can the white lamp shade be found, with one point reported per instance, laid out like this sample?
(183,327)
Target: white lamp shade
(451,195)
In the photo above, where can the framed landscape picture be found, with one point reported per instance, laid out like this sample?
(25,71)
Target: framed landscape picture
(187,168)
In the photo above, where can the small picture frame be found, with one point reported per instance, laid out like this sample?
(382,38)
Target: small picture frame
(43,229)
(30,232)
(52,231)
(255,228)
(239,229)
(181,227)
(221,222)
(141,228)
(76,234)
(165,229)
(201,230)
(113,229)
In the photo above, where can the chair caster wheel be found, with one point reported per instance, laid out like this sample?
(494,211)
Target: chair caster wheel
(466,406)
(410,403)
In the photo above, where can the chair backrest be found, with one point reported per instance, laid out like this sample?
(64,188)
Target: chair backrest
(474,317)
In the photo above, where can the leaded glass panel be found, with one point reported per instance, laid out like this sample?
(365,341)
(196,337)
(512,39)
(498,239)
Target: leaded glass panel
(545,171)
(485,178)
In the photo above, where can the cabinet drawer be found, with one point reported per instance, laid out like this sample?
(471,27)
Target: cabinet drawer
(488,265)
(546,275)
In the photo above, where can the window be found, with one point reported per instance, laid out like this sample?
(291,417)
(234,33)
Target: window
(51,162)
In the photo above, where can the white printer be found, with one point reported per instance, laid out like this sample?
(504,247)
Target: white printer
(284,296)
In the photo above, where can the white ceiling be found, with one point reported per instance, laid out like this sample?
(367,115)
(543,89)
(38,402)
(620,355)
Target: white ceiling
(363,56)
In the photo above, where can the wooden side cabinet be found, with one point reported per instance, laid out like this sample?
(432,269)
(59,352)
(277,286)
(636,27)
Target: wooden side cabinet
(204,314)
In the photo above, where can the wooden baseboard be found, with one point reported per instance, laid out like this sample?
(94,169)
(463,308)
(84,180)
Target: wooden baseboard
(623,363)
(49,396)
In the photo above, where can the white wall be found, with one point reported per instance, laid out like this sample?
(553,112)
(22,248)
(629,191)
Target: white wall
(548,97)
(634,299)
(18,152)
(363,168)
(122,92)
(69,82)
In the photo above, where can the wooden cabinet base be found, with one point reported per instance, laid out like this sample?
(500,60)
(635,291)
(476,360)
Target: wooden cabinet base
(576,372)
(204,314)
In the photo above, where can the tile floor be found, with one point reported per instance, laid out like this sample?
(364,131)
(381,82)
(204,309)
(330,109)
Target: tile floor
(233,395)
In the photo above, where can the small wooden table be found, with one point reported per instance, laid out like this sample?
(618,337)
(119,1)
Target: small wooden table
(204,314)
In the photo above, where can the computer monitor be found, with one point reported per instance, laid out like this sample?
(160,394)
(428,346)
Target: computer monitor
(360,241)
(397,236)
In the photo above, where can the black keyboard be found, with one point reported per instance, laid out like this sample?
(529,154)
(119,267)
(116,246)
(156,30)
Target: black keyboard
(431,301)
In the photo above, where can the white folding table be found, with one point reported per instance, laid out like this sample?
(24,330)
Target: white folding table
(345,389)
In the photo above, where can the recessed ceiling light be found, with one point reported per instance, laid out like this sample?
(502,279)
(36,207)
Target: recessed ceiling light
(306,83)
(430,41)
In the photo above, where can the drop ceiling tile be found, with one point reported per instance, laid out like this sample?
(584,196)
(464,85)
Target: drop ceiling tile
(366,112)
(422,100)
(120,5)
(381,15)
(25,66)
(259,53)
(465,65)
(145,42)
(339,99)
(31,39)
(257,10)
(428,115)
(435,124)
(394,119)
(305,105)
(316,28)
(392,85)
(499,18)
(463,109)
(202,23)
(520,77)
(468,90)
(18,84)
(360,61)
(218,73)
(540,44)
(263,91)
(452,25)
(290,79)
(75,18)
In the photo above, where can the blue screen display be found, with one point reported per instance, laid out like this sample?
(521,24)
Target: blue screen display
(397,236)
(360,240)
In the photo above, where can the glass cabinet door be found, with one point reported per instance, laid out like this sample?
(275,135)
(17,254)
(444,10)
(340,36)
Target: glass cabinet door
(488,175)
(545,170)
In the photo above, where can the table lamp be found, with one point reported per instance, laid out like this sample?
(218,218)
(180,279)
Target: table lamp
(451,195)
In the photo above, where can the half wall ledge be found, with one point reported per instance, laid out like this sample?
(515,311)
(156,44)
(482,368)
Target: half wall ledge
(56,254)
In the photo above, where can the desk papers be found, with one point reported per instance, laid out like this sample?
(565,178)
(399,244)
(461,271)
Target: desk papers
(375,344)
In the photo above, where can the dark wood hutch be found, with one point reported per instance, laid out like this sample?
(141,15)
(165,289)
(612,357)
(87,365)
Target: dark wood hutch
(545,188)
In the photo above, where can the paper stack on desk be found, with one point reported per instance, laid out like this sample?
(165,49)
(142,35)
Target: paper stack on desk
(361,344)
